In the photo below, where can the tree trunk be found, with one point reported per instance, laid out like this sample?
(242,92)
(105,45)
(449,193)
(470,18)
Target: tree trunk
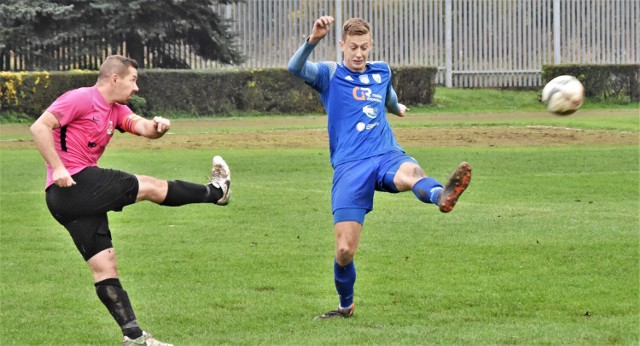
(135,48)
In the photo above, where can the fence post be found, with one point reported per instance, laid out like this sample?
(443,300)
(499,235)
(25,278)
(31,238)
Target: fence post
(448,44)
(556,32)
(338,29)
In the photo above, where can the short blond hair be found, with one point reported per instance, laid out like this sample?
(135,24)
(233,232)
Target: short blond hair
(355,27)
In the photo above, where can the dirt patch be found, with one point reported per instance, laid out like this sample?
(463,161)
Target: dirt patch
(512,136)
(425,137)
(310,132)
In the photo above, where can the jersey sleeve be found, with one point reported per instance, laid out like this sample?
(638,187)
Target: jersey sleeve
(392,98)
(126,120)
(300,66)
(326,70)
(71,105)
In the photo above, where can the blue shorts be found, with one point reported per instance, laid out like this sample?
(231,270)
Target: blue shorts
(355,182)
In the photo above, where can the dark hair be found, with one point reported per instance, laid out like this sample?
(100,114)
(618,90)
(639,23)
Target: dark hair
(355,26)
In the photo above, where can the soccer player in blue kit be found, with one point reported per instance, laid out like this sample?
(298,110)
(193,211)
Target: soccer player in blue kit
(364,153)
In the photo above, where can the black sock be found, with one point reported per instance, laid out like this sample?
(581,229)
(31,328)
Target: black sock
(214,193)
(117,302)
(182,192)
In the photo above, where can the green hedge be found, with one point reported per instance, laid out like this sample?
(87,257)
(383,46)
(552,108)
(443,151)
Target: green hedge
(201,93)
(601,81)
(32,92)
(205,93)
(414,85)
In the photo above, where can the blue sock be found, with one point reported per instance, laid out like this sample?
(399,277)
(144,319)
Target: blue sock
(345,278)
(427,190)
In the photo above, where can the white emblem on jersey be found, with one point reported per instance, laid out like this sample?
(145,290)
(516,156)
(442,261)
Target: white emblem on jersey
(370,126)
(110,128)
(364,78)
(369,111)
(348,78)
(377,78)
(360,126)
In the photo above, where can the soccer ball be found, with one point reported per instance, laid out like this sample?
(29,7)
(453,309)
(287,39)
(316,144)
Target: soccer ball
(563,95)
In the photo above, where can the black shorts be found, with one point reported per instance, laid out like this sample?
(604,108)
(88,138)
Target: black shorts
(82,208)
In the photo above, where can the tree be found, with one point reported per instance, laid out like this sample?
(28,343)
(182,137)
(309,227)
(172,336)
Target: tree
(40,29)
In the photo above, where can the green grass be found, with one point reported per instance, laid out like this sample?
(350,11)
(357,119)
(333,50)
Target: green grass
(445,101)
(543,236)
(449,100)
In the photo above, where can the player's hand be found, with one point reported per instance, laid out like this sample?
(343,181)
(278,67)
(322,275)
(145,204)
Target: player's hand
(320,29)
(403,110)
(62,178)
(161,124)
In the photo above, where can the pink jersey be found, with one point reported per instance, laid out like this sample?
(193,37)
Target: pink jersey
(87,123)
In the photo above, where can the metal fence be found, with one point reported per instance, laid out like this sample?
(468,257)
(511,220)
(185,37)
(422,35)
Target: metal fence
(474,43)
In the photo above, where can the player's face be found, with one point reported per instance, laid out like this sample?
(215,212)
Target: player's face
(356,49)
(126,86)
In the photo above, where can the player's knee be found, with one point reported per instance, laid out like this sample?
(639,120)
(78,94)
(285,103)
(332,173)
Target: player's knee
(151,189)
(103,265)
(344,255)
(407,176)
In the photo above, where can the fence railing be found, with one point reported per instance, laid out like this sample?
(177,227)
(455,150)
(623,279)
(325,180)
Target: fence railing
(474,43)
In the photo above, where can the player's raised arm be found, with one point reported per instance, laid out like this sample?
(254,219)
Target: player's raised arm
(298,64)
(320,29)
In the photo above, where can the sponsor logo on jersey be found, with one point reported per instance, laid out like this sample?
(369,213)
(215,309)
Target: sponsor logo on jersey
(362,94)
(370,111)
(110,128)
(362,126)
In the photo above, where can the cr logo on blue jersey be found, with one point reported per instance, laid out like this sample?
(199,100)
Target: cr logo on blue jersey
(361,94)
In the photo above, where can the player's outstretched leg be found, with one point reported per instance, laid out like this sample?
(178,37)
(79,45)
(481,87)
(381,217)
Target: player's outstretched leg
(458,182)
(221,177)
(145,339)
(340,312)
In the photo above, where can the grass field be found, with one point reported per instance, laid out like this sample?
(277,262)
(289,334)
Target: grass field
(544,248)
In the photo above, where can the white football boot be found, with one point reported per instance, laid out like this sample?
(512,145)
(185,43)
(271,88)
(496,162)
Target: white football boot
(221,177)
(145,339)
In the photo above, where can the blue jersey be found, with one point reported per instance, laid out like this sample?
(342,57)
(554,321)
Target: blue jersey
(355,104)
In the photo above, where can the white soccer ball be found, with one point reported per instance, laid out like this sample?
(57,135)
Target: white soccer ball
(563,95)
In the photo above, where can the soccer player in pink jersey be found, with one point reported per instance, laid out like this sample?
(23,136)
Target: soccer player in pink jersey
(71,135)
